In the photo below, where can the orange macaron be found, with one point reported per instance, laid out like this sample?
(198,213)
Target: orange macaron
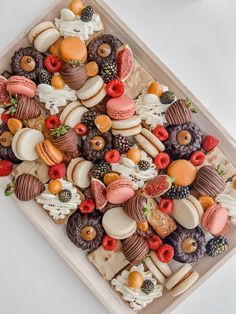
(182,171)
(73,48)
(49,153)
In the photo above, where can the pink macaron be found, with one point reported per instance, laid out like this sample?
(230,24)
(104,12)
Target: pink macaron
(120,191)
(20,85)
(214,219)
(121,108)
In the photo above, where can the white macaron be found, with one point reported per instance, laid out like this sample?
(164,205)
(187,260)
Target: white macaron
(78,172)
(72,114)
(127,127)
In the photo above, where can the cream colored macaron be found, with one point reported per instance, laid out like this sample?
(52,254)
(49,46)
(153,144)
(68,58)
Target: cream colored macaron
(163,267)
(118,224)
(96,99)
(43,35)
(78,172)
(127,127)
(181,280)
(149,142)
(186,213)
(72,114)
(24,143)
(90,88)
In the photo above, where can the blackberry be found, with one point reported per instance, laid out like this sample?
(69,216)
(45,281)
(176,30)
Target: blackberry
(167,98)
(216,246)
(65,196)
(121,143)
(109,71)
(100,169)
(87,14)
(178,192)
(143,165)
(148,286)
(44,77)
(89,117)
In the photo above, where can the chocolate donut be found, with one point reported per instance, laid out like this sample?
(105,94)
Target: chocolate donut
(179,150)
(134,208)
(178,113)
(6,151)
(110,42)
(26,62)
(88,147)
(189,244)
(77,223)
(134,248)
(208,181)
(27,187)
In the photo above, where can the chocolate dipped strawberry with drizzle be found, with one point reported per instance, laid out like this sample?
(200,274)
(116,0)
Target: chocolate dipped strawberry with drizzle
(74,74)
(65,138)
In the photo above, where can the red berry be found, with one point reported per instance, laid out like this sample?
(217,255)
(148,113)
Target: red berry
(81,129)
(109,243)
(161,133)
(165,253)
(5,116)
(209,142)
(197,158)
(57,171)
(162,161)
(52,63)
(87,206)
(5,168)
(166,205)
(115,88)
(154,242)
(112,156)
(52,122)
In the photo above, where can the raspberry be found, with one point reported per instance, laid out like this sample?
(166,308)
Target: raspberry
(57,171)
(87,206)
(112,156)
(52,122)
(5,168)
(52,63)
(162,161)
(109,244)
(81,129)
(154,242)
(197,158)
(209,142)
(165,253)
(166,205)
(115,88)
(161,133)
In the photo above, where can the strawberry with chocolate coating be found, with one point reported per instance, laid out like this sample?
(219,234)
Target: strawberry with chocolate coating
(64,138)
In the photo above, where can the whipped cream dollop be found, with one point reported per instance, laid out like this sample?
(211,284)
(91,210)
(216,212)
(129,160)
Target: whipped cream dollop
(55,98)
(136,297)
(227,199)
(129,170)
(150,108)
(57,209)
(70,25)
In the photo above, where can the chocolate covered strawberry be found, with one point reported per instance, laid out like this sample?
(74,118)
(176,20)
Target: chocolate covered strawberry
(24,108)
(74,74)
(64,138)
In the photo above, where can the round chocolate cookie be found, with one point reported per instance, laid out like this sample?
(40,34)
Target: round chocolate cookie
(6,151)
(103,49)
(85,231)
(189,244)
(26,62)
(95,144)
(183,140)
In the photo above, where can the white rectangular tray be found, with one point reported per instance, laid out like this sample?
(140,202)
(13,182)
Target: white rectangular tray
(56,235)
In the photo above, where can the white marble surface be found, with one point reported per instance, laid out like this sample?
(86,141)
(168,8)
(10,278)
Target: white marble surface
(196,39)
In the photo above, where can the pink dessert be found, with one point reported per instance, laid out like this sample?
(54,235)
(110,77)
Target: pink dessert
(121,108)
(215,219)
(119,191)
(20,85)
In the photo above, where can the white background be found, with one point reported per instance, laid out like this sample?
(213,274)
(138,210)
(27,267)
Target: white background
(196,39)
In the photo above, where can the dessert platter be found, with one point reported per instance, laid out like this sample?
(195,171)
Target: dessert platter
(116,163)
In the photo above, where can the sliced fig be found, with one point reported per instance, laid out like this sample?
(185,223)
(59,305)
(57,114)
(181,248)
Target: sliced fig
(157,186)
(124,60)
(99,193)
